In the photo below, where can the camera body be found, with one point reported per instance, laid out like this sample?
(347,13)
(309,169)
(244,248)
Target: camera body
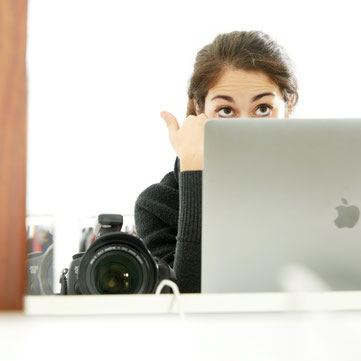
(115,263)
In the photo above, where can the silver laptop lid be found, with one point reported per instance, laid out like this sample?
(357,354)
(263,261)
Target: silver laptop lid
(281,201)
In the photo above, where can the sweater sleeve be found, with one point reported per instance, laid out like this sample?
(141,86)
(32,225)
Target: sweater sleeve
(187,262)
(169,222)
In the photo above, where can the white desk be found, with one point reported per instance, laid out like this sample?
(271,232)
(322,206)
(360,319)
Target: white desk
(213,329)
(193,303)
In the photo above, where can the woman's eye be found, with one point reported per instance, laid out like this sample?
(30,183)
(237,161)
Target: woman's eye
(225,112)
(264,110)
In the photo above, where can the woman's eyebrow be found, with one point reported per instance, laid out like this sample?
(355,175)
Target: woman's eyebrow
(225,97)
(259,96)
(231,100)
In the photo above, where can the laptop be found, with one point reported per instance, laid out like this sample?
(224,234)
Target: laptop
(281,205)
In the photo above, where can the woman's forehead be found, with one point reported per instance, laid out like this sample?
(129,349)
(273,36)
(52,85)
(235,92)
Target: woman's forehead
(243,81)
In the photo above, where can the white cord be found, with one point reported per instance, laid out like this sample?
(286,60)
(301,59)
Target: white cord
(176,293)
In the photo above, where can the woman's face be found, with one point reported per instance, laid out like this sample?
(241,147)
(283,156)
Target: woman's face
(245,94)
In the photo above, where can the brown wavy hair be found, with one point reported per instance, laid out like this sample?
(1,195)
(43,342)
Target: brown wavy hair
(247,50)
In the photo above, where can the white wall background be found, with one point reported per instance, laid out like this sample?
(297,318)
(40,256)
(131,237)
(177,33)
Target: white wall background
(101,71)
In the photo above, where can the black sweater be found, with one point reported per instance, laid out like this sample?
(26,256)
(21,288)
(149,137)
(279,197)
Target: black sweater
(168,217)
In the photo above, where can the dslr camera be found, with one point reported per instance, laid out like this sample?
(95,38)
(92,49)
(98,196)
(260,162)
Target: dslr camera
(40,272)
(115,263)
(40,244)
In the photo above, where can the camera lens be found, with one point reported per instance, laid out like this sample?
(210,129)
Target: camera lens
(117,263)
(40,272)
(46,272)
(117,272)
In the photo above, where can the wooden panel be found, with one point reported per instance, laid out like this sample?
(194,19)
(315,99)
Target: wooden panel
(13,22)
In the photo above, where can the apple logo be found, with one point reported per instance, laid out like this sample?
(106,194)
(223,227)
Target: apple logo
(347,215)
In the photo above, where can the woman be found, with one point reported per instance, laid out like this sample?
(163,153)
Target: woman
(240,74)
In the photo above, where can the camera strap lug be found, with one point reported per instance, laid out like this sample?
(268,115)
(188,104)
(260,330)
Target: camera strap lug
(64,282)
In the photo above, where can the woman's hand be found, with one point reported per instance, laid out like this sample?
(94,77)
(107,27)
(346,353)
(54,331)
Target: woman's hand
(187,140)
